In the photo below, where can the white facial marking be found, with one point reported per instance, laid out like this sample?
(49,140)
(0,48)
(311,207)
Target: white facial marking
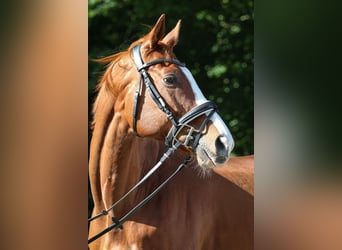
(199,97)
(223,130)
(215,118)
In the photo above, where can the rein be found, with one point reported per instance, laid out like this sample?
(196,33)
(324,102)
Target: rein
(118,223)
(191,139)
(149,173)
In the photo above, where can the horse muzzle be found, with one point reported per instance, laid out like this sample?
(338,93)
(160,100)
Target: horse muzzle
(211,140)
(215,146)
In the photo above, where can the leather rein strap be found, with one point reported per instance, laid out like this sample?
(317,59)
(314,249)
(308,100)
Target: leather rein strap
(118,223)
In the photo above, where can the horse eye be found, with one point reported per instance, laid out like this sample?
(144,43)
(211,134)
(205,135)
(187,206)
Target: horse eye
(170,80)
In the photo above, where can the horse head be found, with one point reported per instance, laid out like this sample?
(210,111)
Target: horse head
(159,98)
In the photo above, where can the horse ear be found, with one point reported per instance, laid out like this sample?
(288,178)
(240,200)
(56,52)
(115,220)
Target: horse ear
(157,33)
(171,39)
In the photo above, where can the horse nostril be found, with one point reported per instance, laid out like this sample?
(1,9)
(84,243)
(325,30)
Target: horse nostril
(222,145)
(222,149)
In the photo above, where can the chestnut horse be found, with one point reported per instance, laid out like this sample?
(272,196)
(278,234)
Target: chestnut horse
(146,97)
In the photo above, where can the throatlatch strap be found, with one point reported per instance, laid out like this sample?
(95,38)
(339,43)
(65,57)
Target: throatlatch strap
(135,107)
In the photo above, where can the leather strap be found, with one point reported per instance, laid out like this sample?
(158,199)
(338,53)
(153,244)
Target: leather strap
(155,95)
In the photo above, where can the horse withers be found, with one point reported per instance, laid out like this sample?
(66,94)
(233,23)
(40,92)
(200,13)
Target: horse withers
(149,118)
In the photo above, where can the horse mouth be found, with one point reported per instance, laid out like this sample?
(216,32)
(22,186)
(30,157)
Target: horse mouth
(207,159)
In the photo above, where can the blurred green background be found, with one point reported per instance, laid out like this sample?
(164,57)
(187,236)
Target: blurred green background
(216,43)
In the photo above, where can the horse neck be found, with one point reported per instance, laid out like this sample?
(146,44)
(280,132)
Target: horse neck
(118,159)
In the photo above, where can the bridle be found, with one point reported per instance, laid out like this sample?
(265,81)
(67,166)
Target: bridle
(192,137)
(207,108)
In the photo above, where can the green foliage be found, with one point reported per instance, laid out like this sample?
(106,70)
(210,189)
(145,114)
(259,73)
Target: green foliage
(216,42)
